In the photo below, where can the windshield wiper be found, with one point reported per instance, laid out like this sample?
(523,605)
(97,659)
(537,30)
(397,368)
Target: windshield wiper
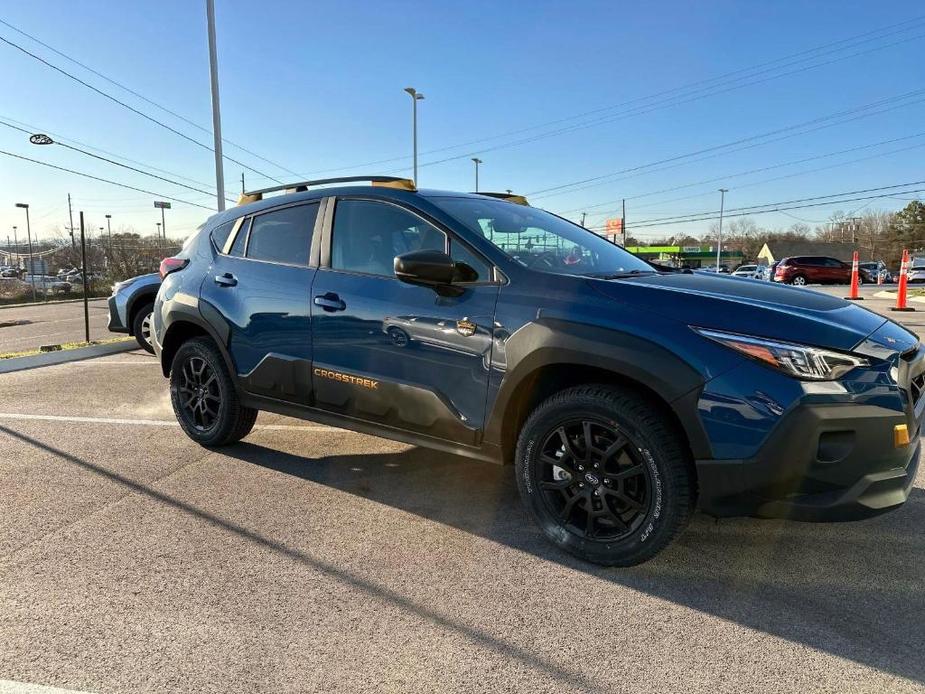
(619,275)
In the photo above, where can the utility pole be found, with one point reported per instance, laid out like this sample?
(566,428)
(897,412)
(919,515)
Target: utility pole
(242,183)
(477,162)
(70,216)
(416,96)
(583,215)
(623,222)
(83,256)
(855,227)
(16,242)
(719,244)
(216,109)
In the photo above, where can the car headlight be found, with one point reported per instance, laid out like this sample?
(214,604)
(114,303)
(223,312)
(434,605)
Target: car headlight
(799,361)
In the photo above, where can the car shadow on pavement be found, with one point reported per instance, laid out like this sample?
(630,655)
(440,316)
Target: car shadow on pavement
(855,590)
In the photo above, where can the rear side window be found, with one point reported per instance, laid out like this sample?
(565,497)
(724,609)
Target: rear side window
(221,233)
(283,236)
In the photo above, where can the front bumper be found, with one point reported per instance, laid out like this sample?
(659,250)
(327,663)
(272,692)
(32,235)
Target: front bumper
(816,451)
(822,463)
(116,324)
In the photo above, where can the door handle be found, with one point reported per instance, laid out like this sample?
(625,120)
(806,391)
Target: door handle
(226,280)
(330,302)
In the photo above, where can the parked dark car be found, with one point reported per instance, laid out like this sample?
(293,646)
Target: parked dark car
(130,307)
(624,396)
(812,269)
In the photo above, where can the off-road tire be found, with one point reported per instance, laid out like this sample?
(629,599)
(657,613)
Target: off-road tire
(655,443)
(233,421)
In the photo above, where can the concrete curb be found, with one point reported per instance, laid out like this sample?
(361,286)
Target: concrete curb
(66,355)
(49,303)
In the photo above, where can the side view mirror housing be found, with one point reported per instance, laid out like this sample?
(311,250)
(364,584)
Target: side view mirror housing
(432,269)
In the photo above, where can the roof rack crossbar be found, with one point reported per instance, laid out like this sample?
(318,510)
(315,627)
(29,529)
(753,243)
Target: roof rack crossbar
(305,185)
(510,197)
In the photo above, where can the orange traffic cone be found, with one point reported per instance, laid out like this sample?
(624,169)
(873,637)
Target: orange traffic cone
(855,294)
(901,290)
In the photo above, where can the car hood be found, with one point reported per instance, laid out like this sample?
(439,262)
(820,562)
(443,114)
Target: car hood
(750,307)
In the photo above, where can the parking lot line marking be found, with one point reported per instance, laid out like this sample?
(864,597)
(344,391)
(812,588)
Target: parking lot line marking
(11,687)
(148,422)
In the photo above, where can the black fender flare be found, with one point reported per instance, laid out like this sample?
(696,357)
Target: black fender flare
(182,313)
(554,342)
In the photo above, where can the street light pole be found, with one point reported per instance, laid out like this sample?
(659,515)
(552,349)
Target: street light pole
(109,232)
(25,206)
(216,108)
(719,244)
(477,162)
(416,96)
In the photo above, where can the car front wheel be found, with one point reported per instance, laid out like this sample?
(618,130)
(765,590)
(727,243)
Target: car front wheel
(141,327)
(605,475)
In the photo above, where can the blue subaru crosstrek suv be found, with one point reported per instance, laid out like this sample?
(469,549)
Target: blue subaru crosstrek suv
(625,395)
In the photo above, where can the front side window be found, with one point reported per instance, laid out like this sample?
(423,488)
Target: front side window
(283,236)
(368,235)
(541,241)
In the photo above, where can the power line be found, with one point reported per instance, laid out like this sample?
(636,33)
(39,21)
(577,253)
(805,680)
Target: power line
(104,180)
(749,172)
(645,110)
(908,25)
(131,108)
(560,189)
(142,96)
(756,209)
(115,163)
(62,138)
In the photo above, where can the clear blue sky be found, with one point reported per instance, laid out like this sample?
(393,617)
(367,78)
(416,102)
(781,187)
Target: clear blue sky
(318,85)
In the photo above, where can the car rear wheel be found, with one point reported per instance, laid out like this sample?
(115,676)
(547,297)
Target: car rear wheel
(798,281)
(204,398)
(605,475)
(141,327)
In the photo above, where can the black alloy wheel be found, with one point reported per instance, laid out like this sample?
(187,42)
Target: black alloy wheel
(199,394)
(594,480)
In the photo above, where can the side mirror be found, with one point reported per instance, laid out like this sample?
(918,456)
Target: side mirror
(431,268)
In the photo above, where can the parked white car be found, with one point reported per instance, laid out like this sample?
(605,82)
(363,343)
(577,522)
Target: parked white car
(916,271)
(753,272)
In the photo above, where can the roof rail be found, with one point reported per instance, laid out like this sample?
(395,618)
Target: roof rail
(301,186)
(510,197)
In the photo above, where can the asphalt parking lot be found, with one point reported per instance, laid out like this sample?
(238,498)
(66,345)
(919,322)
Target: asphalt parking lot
(51,324)
(313,559)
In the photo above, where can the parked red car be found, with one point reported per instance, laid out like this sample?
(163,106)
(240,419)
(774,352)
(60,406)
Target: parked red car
(812,269)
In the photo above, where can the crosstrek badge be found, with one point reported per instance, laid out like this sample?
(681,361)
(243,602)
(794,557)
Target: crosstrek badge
(346,378)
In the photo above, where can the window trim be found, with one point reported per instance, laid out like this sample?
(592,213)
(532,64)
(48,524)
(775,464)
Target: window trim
(249,221)
(327,236)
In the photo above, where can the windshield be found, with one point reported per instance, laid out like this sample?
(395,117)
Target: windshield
(541,241)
